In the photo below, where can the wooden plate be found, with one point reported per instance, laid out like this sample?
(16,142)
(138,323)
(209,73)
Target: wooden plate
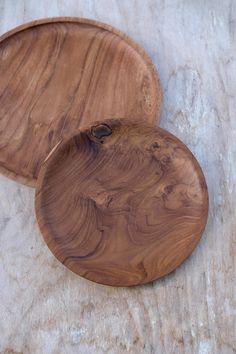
(122,203)
(57,74)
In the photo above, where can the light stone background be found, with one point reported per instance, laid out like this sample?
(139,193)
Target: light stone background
(44,308)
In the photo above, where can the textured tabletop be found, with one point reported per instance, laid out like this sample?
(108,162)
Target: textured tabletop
(45,308)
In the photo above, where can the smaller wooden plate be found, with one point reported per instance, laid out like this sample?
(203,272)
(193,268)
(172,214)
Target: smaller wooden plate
(121,203)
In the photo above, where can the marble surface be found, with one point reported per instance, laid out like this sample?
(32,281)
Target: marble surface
(44,308)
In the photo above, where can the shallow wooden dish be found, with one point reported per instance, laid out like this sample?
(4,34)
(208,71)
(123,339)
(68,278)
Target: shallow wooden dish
(57,74)
(121,203)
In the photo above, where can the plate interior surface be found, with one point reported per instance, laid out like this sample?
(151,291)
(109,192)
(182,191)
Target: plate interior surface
(59,74)
(122,203)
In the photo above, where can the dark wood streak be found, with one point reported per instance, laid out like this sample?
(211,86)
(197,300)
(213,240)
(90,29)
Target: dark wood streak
(92,74)
(51,74)
(124,212)
(79,114)
(65,73)
(30,105)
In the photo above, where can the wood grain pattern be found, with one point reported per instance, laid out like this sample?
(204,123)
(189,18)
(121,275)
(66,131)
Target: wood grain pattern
(121,203)
(58,74)
(48,309)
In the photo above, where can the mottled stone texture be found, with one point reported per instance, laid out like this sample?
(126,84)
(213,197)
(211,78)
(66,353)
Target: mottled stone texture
(44,308)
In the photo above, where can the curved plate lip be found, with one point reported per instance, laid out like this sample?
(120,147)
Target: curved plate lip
(45,233)
(80,20)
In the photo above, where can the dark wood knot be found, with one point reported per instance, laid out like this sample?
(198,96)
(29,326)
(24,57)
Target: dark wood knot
(101,130)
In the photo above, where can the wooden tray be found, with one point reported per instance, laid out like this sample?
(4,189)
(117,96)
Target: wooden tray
(121,203)
(57,74)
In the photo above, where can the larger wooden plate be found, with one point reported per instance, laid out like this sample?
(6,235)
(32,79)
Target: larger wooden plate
(122,204)
(57,74)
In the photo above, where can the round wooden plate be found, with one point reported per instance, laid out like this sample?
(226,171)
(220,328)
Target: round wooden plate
(121,203)
(57,74)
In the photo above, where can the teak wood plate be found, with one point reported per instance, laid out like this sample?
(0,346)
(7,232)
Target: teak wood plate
(57,74)
(121,203)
